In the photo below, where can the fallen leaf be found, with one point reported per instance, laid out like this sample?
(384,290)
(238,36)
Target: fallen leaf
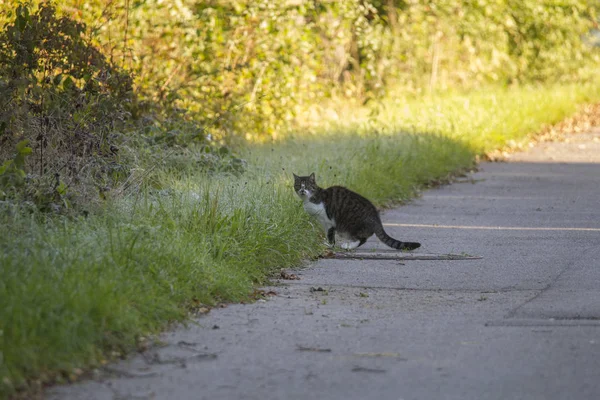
(288,276)
(328,254)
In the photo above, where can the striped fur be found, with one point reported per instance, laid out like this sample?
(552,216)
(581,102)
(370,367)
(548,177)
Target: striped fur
(348,214)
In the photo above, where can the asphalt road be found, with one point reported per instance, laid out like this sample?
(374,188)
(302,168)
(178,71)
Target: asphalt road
(521,323)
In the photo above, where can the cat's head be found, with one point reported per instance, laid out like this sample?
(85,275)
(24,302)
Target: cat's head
(305,186)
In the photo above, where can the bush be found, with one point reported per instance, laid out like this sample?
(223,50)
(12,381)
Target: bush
(69,114)
(274,60)
(61,99)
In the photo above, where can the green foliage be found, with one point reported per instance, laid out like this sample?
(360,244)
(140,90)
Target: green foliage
(12,173)
(545,42)
(18,187)
(450,44)
(62,96)
(74,107)
(276,59)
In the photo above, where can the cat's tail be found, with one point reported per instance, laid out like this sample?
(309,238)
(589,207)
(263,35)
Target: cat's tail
(393,243)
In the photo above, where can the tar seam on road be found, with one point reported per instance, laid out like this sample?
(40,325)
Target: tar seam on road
(513,312)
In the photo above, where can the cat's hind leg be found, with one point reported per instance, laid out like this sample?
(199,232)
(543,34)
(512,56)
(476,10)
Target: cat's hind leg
(351,245)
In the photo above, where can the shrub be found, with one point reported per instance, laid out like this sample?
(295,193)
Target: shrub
(281,58)
(62,97)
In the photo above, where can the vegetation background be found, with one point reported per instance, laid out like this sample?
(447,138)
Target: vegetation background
(146,146)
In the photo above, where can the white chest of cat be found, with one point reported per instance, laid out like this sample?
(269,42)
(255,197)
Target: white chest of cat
(318,211)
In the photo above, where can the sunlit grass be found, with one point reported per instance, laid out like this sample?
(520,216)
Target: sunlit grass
(485,119)
(383,167)
(73,290)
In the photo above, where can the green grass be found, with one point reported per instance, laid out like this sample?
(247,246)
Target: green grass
(386,168)
(488,119)
(70,288)
(74,290)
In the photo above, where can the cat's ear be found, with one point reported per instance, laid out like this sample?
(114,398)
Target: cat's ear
(312,177)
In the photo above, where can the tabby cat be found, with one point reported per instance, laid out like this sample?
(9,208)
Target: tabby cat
(340,210)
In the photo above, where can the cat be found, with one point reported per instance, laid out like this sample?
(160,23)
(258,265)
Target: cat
(342,211)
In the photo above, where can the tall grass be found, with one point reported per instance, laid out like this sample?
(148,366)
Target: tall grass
(385,167)
(487,119)
(74,291)
(72,287)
